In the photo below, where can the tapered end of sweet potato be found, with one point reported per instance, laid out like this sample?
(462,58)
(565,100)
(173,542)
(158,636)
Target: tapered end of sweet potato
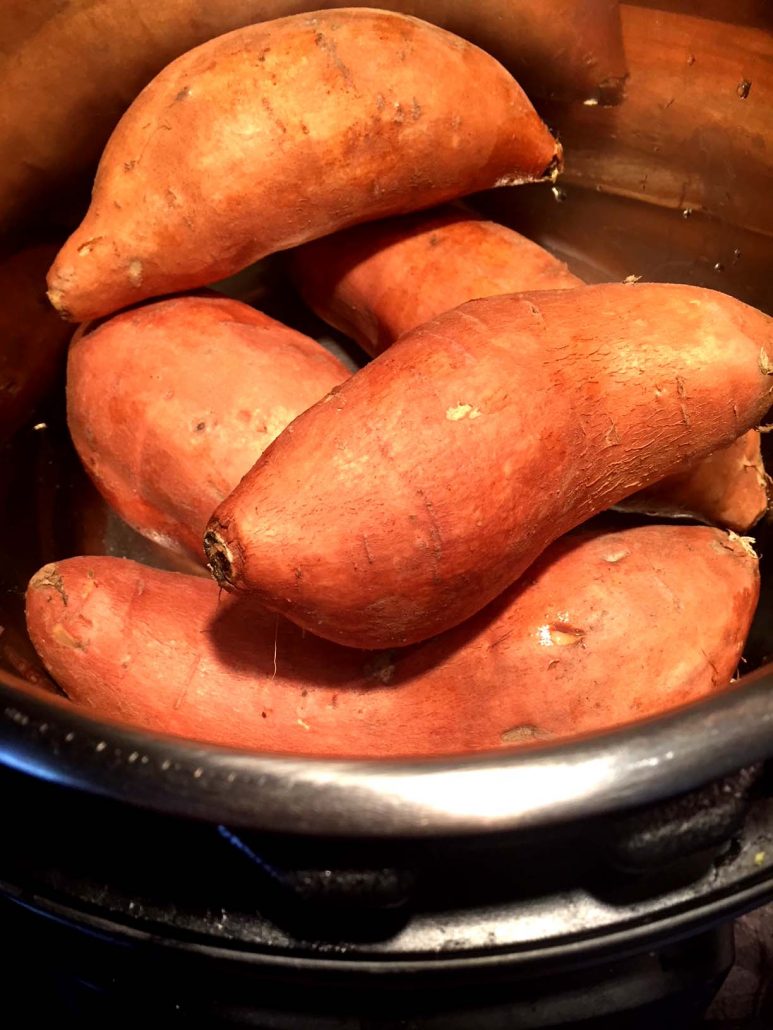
(556,165)
(89,279)
(49,582)
(220,558)
(728,488)
(52,609)
(57,301)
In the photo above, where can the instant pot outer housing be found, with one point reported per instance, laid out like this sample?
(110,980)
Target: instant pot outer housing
(668,134)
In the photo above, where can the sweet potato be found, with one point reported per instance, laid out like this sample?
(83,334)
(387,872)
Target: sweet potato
(279,133)
(54,123)
(437,474)
(169,404)
(32,338)
(606,628)
(375,282)
(729,487)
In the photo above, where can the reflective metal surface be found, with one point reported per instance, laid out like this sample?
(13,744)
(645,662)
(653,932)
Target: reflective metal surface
(530,788)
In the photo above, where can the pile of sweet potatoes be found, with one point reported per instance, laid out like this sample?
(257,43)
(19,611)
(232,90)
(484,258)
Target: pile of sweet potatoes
(398,564)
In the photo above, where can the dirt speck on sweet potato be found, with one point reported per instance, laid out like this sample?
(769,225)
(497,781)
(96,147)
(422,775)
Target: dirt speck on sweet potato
(135,272)
(63,637)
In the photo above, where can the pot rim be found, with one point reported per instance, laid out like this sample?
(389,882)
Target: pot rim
(535,786)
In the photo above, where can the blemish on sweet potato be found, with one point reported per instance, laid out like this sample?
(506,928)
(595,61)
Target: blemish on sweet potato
(87,247)
(135,272)
(682,395)
(329,45)
(219,559)
(461,411)
(746,543)
(56,297)
(520,734)
(612,436)
(49,579)
(616,556)
(64,638)
(560,634)
(368,554)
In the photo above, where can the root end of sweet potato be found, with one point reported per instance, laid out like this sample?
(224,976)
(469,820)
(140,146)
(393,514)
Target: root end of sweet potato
(746,543)
(49,579)
(56,298)
(556,165)
(219,559)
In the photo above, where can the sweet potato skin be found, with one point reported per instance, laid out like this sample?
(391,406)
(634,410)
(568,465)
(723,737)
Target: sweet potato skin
(728,487)
(375,282)
(346,105)
(605,628)
(608,627)
(435,476)
(169,404)
(32,339)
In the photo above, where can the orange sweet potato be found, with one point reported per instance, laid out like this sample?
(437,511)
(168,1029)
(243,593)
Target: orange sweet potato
(375,282)
(608,627)
(32,338)
(169,404)
(605,628)
(729,487)
(54,123)
(278,133)
(437,474)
